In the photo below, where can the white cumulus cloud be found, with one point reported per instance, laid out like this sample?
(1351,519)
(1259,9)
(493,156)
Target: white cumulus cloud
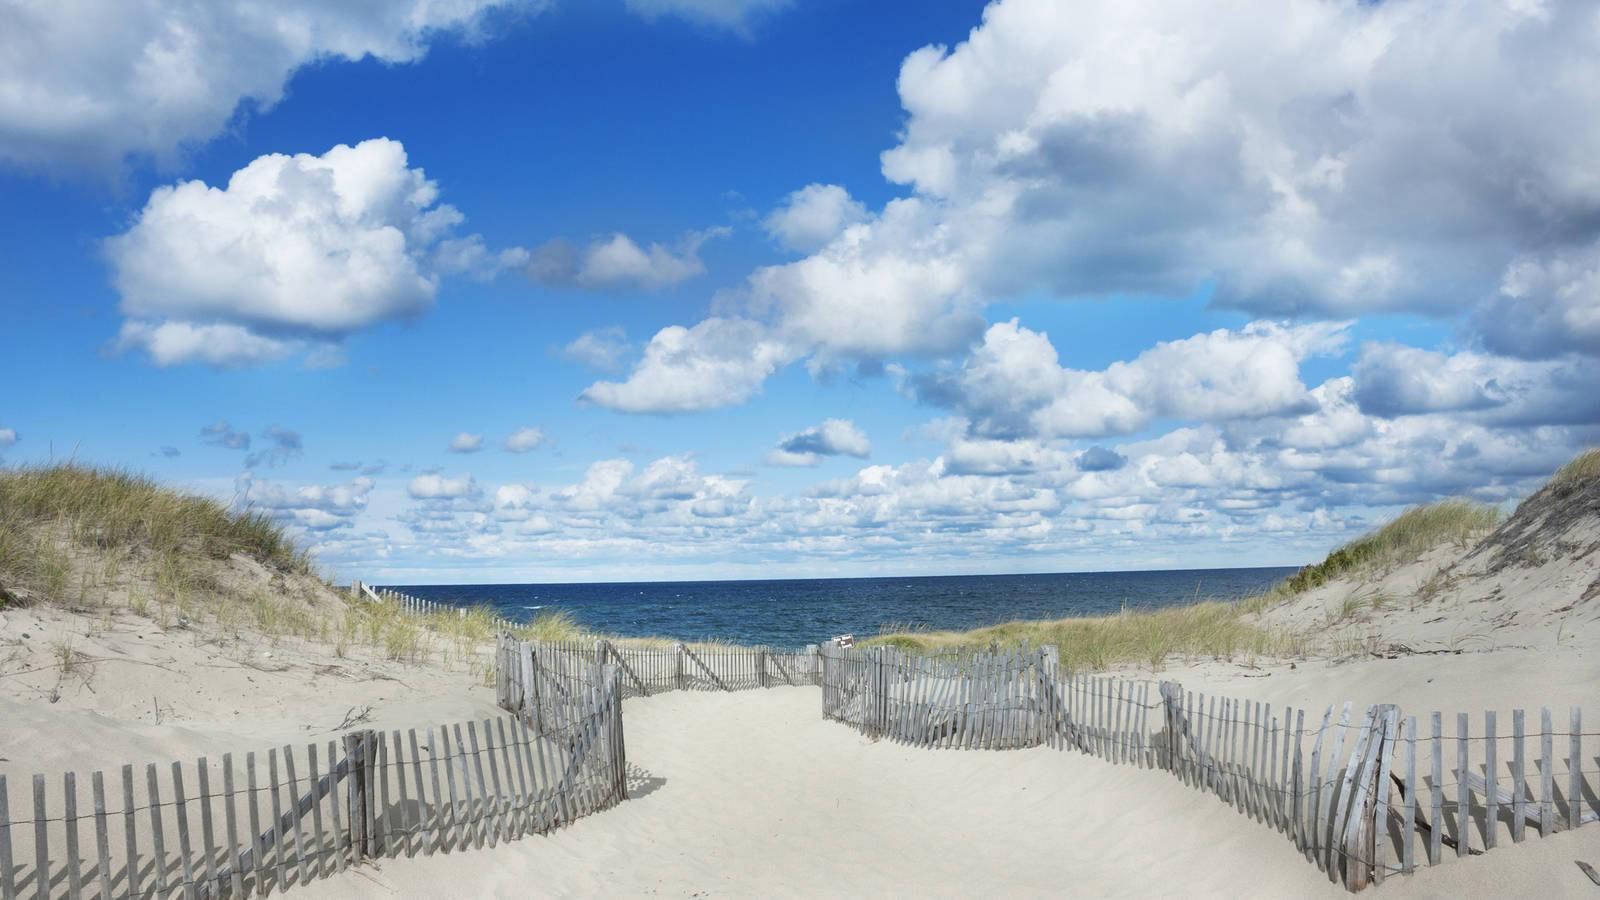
(294,252)
(692,369)
(1427,164)
(84,84)
(1013,384)
(600,349)
(616,261)
(834,437)
(440,487)
(526,438)
(812,216)
(315,507)
(466,442)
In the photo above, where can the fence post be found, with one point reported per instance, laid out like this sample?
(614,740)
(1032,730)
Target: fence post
(1049,664)
(599,653)
(811,659)
(677,667)
(530,675)
(360,751)
(882,700)
(761,666)
(1169,691)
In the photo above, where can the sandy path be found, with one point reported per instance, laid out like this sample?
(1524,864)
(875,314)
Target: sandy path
(753,794)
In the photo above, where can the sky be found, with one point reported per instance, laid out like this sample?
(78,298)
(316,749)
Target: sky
(511,290)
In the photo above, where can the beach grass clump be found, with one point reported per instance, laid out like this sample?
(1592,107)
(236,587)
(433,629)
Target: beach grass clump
(69,530)
(1205,630)
(1412,533)
(552,625)
(111,508)
(1584,468)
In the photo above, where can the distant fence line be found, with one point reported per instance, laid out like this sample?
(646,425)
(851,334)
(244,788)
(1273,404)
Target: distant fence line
(644,671)
(1356,809)
(419,607)
(199,832)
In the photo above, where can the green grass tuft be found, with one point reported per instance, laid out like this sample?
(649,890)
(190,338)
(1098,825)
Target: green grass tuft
(114,509)
(1583,468)
(1210,629)
(1413,532)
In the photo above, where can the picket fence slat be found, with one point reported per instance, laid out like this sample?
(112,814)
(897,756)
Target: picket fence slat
(1518,808)
(129,830)
(1547,774)
(1491,770)
(207,833)
(231,823)
(69,786)
(181,807)
(318,863)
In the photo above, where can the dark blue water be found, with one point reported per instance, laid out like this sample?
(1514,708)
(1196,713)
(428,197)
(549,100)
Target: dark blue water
(795,612)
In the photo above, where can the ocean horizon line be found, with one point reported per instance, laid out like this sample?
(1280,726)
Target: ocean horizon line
(397,585)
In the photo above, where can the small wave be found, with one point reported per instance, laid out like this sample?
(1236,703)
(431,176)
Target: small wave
(541,606)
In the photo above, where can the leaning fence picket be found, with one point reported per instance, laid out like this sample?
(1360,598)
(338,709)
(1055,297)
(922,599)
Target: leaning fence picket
(1463,794)
(1546,774)
(207,832)
(316,806)
(1436,834)
(258,848)
(1518,803)
(1575,771)
(1408,817)
(70,819)
(102,841)
(1492,780)
(129,830)
(340,836)
(231,824)
(8,873)
(180,806)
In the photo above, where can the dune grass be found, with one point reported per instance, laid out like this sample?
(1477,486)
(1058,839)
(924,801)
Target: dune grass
(1584,467)
(109,508)
(90,539)
(1219,629)
(1413,532)
(1207,630)
(552,625)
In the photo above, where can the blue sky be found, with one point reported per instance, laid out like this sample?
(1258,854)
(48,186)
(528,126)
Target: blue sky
(828,288)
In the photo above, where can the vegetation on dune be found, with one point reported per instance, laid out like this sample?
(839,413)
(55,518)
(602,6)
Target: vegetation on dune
(552,625)
(98,541)
(1413,532)
(1583,468)
(1224,629)
(556,625)
(1210,629)
(114,509)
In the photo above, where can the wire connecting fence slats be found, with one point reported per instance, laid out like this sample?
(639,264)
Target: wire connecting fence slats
(1350,794)
(307,821)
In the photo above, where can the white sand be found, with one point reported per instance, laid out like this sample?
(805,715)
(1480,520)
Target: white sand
(137,694)
(753,794)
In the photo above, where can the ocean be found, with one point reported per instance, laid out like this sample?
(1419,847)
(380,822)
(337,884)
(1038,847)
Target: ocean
(796,612)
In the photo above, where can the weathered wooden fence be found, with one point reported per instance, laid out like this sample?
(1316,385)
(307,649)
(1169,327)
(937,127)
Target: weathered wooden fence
(417,606)
(1363,794)
(651,670)
(291,815)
